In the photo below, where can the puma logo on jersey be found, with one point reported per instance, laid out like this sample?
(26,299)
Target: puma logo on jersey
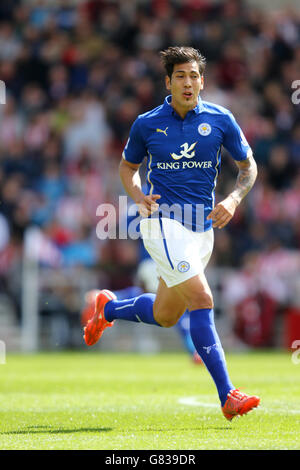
(187,152)
(163,131)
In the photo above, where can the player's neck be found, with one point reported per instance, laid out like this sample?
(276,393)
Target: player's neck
(182,110)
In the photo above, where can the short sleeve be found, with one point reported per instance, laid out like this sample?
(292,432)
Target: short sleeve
(235,141)
(135,149)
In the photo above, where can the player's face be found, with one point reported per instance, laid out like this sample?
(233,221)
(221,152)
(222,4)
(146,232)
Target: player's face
(185,85)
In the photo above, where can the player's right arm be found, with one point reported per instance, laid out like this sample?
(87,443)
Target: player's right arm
(131,180)
(134,153)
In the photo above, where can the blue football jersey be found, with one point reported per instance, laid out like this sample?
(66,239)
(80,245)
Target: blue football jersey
(184,157)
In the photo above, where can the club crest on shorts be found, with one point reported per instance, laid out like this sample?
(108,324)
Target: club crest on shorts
(204,129)
(183,266)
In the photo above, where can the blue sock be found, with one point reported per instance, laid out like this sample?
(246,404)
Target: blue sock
(137,309)
(208,345)
(183,327)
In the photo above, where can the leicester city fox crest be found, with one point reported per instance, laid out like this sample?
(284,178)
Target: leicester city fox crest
(183,266)
(204,129)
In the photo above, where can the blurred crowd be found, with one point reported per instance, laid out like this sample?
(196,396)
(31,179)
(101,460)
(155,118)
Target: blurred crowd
(78,73)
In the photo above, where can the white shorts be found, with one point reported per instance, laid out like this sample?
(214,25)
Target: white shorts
(147,275)
(179,253)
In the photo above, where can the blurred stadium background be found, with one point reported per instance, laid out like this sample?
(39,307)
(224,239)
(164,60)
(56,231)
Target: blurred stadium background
(77,73)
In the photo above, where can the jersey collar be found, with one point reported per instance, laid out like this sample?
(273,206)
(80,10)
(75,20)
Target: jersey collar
(167,105)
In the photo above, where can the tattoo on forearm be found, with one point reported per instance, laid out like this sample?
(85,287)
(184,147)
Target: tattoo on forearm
(245,180)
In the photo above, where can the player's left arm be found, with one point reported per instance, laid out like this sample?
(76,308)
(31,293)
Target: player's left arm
(224,210)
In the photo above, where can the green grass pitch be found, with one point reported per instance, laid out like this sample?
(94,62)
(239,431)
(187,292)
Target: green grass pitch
(95,400)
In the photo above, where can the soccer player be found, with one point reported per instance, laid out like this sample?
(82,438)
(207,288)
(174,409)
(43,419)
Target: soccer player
(182,141)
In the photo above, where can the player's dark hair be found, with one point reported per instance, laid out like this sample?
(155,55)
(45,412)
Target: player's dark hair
(181,55)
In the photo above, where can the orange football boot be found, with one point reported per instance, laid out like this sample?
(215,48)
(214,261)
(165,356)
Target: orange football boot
(197,359)
(89,308)
(97,324)
(238,404)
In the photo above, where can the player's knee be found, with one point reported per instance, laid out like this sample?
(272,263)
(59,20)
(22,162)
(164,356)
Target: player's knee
(201,300)
(165,319)
(167,322)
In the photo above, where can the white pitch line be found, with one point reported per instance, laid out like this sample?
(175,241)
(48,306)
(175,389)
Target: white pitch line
(195,401)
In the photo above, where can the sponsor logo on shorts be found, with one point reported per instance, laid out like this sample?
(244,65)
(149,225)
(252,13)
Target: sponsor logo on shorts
(183,266)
